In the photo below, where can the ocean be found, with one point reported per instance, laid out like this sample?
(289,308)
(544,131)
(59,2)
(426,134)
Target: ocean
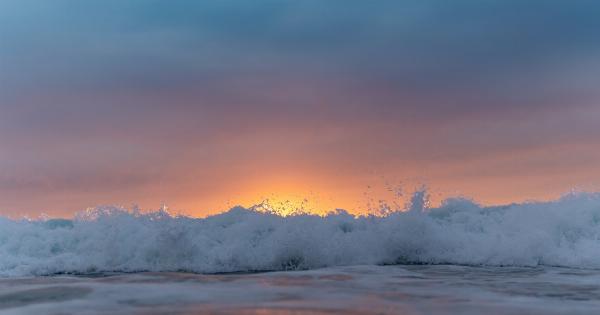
(458,258)
(399,289)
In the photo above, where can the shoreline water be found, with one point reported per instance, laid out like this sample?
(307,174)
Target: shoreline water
(400,289)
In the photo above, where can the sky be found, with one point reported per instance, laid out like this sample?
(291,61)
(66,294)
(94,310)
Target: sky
(203,105)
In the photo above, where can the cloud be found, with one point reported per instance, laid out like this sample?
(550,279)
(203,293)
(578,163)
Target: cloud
(325,84)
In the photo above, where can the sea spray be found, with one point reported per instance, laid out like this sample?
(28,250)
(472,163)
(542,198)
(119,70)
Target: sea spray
(565,232)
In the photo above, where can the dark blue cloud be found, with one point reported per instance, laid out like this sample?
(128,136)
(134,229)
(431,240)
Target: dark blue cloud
(392,50)
(446,57)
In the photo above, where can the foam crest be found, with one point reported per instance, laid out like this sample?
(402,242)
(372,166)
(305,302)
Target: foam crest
(565,232)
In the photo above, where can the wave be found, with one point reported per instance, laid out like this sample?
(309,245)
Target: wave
(565,232)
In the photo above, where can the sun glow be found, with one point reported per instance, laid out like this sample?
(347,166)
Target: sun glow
(283,207)
(286,202)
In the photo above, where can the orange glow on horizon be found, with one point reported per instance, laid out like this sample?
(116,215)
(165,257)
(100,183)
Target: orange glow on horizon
(321,188)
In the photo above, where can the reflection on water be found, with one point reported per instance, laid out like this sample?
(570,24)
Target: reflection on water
(42,295)
(415,289)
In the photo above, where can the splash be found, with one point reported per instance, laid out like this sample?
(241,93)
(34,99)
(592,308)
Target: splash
(565,232)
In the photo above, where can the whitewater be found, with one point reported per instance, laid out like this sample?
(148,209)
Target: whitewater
(560,233)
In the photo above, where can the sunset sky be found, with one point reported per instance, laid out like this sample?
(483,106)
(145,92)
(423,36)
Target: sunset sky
(203,105)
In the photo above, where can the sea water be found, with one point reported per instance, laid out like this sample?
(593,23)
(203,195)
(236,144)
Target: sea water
(534,257)
(400,289)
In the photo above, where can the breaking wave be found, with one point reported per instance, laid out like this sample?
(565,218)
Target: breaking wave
(565,232)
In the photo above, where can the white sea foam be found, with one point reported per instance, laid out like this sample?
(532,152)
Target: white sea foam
(565,232)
